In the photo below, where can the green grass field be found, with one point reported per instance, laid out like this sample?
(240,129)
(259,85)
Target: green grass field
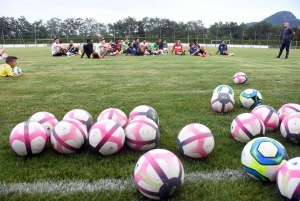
(179,88)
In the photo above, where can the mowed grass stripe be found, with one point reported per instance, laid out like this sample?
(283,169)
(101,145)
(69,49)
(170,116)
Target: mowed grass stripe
(66,187)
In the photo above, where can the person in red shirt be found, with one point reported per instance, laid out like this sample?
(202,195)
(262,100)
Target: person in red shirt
(177,47)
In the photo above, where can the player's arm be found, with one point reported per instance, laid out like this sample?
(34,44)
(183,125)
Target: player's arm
(293,34)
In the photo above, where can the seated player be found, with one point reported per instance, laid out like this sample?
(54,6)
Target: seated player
(88,48)
(72,49)
(177,47)
(223,49)
(56,48)
(130,51)
(102,48)
(6,69)
(154,49)
(64,48)
(125,45)
(165,47)
(141,48)
(196,51)
(117,46)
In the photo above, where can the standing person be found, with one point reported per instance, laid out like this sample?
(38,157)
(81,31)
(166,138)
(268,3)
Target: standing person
(288,35)
(56,48)
(223,49)
(177,47)
(6,69)
(88,48)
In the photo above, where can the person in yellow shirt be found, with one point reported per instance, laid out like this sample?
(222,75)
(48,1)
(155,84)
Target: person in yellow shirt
(6,69)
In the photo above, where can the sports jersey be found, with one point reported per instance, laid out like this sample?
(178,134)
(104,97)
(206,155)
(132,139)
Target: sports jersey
(287,33)
(130,50)
(5,70)
(165,45)
(54,48)
(123,44)
(193,50)
(153,46)
(222,48)
(177,48)
(98,48)
(88,49)
(136,45)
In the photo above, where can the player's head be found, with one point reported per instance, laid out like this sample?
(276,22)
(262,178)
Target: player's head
(126,39)
(223,42)
(101,37)
(286,24)
(96,55)
(11,60)
(116,41)
(145,40)
(56,40)
(195,42)
(165,41)
(71,42)
(137,40)
(159,40)
(192,45)
(89,41)
(130,45)
(157,43)
(178,41)
(110,41)
(102,41)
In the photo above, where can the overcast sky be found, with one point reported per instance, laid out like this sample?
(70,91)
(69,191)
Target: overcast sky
(109,11)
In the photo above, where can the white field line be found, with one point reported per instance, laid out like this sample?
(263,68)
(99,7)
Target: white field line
(73,186)
(250,62)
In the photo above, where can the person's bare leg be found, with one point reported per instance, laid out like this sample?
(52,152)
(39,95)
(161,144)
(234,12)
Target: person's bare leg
(2,51)
(103,54)
(203,48)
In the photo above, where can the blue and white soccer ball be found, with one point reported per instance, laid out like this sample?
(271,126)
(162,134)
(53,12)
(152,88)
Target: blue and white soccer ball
(250,98)
(16,70)
(262,158)
(224,89)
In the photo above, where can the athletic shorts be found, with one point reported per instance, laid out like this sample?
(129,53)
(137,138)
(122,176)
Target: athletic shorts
(56,54)
(139,53)
(201,51)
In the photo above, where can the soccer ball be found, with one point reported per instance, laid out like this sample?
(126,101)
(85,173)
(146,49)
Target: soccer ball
(290,128)
(247,126)
(142,134)
(106,137)
(159,174)
(224,89)
(250,98)
(82,116)
(288,179)
(240,78)
(16,70)
(69,136)
(144,110)
(28,138)
(114,114)
(262,157)
(268,115)
(47,120)
(288,109)
(195,141)
(222,102)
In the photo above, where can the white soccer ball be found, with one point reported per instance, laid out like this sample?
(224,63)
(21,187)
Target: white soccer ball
(114,114)
(222,102)
(144,110)
(81,115)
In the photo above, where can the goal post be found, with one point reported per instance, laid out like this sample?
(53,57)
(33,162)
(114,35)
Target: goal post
(218,42)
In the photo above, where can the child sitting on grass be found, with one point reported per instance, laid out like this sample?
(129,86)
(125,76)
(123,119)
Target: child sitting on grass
(6,69)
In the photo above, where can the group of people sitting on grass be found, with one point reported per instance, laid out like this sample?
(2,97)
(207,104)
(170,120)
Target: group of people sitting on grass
(134,48)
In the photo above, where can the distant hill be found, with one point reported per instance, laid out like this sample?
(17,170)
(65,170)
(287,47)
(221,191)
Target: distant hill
(280,17)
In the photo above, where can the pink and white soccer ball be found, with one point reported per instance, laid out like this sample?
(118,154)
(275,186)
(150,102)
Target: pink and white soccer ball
(195,141)
(142,134)
(69,136)
(4,56)
(81,115)
(114,114)
(240,78)
(288,179)
(144,110)
(159,174)
(288,109)
(268,115)
(222,102)
(106,137)
(28,138)
(246,127)
(47,120)
(290,128)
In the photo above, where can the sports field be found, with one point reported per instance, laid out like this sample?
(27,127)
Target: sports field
(179,88)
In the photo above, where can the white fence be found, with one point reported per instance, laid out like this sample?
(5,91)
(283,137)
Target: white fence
(169,44)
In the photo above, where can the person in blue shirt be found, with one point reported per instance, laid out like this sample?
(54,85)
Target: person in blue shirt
(196,51)
(165,47)
(223,49)
(130,51)
(288,35)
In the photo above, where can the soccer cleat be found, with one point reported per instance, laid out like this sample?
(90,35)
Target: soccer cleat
(286,57)
(277,57)
(231,54)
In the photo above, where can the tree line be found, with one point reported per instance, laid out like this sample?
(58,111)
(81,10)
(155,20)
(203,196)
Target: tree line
(20,29)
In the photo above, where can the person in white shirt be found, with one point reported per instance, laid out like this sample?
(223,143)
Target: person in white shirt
(56,48)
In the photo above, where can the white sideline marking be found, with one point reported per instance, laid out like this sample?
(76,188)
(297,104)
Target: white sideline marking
(69,186)
(250,62)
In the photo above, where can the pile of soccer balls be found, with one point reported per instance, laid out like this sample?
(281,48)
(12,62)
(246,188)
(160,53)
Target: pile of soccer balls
(263,158)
